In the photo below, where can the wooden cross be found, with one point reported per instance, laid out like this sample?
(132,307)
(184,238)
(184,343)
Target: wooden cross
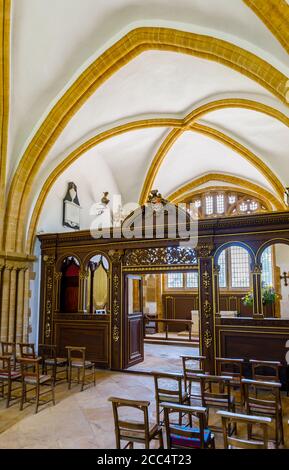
(286,278)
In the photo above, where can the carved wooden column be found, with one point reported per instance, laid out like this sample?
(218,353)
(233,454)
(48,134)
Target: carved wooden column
(82,293)
(57,286)
(206,305)
(47,287)
(257,292)
(12,304)
(217,291)
(116,308)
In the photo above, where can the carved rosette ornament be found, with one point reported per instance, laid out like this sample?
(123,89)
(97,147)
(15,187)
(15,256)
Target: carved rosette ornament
(204,250)
(115,255)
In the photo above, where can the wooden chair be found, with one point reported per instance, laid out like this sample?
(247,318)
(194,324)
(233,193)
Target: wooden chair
(134,431)
(48,353)
(30,373)
(27,350)
(190,369)
(234,368)
(265,370)
(8,349)
(184,437)
(8,376)
(264,399)
(230,420)
(216,394)
(169,388)
(77,361)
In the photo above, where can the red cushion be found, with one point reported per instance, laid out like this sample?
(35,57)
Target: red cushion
(193,442)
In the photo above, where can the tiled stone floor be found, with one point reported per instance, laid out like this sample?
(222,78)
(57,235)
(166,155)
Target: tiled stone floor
(164,357)
(84,419)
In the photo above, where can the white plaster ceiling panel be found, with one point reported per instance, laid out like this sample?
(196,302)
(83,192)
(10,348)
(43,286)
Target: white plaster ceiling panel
(193,155)
(266,136)
(52,40)
(129,156)
(155,83)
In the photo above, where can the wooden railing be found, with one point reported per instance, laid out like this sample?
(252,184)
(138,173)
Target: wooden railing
(167,323)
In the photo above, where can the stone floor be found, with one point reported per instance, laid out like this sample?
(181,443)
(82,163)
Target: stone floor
(84,420)
(164,357)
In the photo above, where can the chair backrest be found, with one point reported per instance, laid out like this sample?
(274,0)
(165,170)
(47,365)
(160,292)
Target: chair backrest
(125,425)
(5,366)
(193,365)
(48,351)
(183,433)
(9,349)
(76,354)
(231,420)
(261,393)
(30,367)
(215,387)
(233,367)
(27,350)
(265,370)
(168,386)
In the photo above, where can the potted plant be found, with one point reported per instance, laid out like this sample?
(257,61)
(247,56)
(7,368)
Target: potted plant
(269,297)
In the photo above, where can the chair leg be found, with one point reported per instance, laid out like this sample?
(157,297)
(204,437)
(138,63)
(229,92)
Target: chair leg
(161,439)
(53,391)
(37,398)
(69,377)
(83,378)
(23,396)
(8,394)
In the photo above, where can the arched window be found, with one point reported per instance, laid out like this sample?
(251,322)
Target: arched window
(208,204)
(267,267)
(235,269)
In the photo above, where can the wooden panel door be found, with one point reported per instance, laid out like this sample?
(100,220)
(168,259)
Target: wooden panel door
(133,321)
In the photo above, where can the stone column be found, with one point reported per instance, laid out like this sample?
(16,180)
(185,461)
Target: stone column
(257,291)
(20,306)
(12,305)
(25,330)
(116,308)
(206,306)
(5,300)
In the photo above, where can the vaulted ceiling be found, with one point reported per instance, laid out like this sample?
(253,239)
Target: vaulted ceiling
(162,117)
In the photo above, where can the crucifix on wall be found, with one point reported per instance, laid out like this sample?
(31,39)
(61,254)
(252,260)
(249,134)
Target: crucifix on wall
(285,278)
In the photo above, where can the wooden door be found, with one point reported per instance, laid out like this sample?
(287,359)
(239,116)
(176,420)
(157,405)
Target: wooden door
(133,321)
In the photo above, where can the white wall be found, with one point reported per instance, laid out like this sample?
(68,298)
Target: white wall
(92,177)
(282,260)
